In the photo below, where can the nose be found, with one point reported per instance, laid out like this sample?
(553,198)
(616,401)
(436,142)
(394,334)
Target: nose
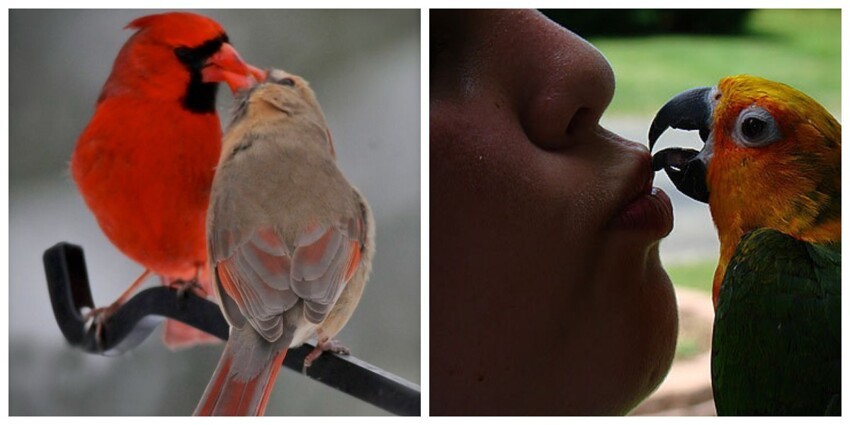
(569,83)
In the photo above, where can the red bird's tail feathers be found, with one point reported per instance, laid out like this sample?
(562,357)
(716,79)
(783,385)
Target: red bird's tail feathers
(244,377)
(178,335)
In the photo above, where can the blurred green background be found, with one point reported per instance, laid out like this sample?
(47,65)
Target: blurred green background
(656,54)
(660,56)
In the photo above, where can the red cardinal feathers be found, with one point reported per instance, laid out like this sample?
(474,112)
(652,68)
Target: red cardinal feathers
(145,162)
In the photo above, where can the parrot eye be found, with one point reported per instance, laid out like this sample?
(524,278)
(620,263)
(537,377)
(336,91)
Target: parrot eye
(752,127)
(756,128)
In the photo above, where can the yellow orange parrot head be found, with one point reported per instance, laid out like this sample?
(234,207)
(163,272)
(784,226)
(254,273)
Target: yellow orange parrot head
(771,159)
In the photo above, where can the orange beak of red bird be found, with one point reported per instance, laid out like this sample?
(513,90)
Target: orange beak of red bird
(227,66)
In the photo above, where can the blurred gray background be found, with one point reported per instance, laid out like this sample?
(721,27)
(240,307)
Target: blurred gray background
(364,67)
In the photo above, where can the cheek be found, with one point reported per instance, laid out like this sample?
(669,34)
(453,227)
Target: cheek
(506,209)
(516,234)
(492,162)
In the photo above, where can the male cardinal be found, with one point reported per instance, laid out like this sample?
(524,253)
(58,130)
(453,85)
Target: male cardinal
(145,162)
(290,241)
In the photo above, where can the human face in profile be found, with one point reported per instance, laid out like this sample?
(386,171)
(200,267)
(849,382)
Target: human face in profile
(547,292)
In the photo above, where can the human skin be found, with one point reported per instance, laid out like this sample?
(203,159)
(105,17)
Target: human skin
(547,294)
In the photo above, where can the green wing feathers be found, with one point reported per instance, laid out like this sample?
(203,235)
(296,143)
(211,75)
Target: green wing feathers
(776,347)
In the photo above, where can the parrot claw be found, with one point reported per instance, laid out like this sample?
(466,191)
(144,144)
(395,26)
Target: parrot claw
(325,344)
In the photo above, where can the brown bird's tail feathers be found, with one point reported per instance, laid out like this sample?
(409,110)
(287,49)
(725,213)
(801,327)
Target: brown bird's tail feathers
(244,377)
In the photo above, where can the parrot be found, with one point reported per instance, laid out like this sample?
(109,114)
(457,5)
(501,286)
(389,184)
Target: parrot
(144,164)
(770,171)
(290,241)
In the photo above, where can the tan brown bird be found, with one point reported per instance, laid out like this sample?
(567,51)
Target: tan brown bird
(290,241)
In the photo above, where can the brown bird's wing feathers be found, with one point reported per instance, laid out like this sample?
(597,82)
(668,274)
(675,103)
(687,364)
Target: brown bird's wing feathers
(285,226)
(290,240)
(272,278)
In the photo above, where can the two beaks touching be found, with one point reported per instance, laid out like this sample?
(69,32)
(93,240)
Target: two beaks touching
(261,215)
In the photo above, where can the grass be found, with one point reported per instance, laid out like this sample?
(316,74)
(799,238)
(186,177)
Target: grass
(694,275)
(694,336)
(687,349)
(798,47)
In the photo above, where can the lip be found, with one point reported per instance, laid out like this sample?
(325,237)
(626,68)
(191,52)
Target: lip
(648,209)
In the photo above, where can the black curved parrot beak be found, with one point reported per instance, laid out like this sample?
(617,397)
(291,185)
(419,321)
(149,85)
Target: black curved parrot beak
(689,110)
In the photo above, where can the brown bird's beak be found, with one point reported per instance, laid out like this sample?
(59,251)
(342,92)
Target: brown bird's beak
(227,66)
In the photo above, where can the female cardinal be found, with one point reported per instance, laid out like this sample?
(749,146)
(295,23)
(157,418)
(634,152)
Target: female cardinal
(290,241)
(145,162)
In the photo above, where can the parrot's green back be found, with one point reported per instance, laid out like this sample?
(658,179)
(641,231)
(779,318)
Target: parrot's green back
(776,348)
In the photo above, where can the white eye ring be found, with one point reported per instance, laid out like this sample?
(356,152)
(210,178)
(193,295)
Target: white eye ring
(755,128)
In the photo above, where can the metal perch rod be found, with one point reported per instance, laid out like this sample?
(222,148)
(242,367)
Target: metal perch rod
(68,284)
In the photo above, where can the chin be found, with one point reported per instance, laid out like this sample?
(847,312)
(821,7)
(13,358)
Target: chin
(648,318)
(657,311)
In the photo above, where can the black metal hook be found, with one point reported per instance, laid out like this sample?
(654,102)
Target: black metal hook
(132,323)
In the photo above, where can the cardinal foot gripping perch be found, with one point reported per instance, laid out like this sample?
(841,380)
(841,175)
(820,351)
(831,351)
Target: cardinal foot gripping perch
(133,322)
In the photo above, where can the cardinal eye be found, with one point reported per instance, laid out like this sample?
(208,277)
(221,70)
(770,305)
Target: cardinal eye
(756,128)
(286,82)
(186,55)
(194,57)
